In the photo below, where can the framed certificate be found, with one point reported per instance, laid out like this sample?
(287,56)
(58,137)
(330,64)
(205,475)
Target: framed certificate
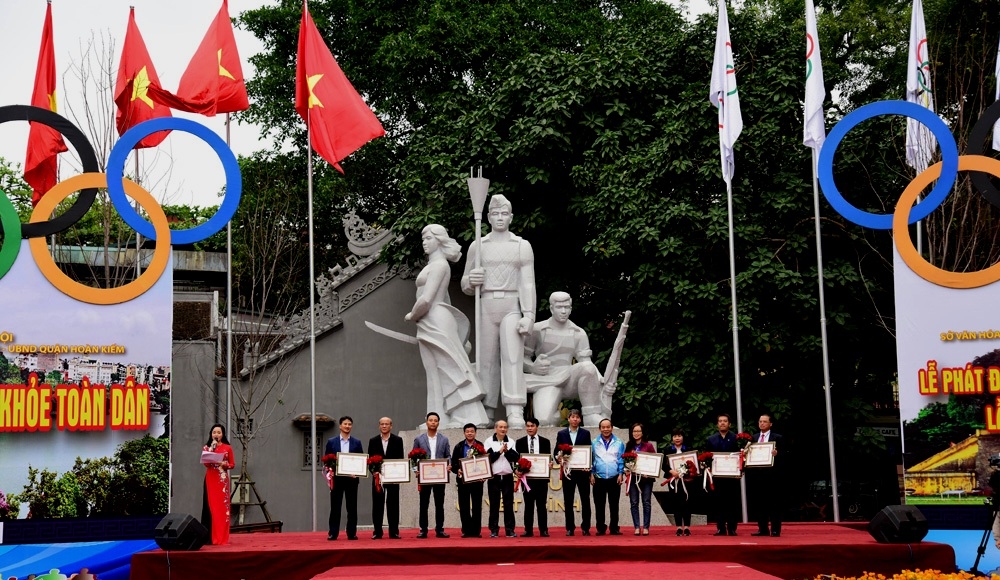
(760,454)
(355,464)
(539,465)
(678,459)
(396,471)
(726,465)
(648,464)
(579,458)
(431,471)
(476,468)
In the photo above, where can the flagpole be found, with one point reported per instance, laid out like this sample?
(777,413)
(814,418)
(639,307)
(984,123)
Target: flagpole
(229,308)
(312,308)
(826,351)
(736,332)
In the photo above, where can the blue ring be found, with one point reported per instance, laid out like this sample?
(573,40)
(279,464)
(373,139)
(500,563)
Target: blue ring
(949,162)
(234,182)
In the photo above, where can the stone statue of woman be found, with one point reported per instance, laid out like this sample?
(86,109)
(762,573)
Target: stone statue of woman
(453,389)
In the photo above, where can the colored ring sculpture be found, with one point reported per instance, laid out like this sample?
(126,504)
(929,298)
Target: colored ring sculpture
(87,159)
(948,171)
(901,234)
(81,292)
(980,131)
(234,183)
(11,224)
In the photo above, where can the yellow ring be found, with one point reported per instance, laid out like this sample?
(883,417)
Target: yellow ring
(901,233)
(81,292)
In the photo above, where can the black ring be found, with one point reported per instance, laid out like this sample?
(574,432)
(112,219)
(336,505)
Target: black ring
(981,130)
(87,157)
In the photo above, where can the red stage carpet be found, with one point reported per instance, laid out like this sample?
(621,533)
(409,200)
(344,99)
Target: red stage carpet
(539,571)
(803,551)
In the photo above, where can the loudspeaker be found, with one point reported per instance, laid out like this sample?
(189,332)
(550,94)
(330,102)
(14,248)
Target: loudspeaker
(898,524)
(180,532)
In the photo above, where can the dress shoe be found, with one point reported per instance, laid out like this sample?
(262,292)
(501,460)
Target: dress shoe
(760,533)
(775,534)
(528,534)
(442,535)
(569,532)
(421,535)
(680,532)
(494,535)
(599,533)
(466,535)
(686,532)
(376,536)
(733,533)
(331,537)
(720,533)
(586,532)
(616,532)
(544,533)
(395,537)
(352,537)
(511,534)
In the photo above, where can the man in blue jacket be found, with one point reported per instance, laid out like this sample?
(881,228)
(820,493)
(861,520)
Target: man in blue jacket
(606,477)
(344,486)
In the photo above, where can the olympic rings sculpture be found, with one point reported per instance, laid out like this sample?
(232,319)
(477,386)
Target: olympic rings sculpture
(945,171)
(119,190)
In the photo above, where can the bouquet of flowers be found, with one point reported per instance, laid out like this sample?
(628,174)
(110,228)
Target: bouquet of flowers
(629,458)
(743,440)
(415,456)
(563,451)
(329,467)
(375,468)
(705,461)
(476,450)
(521,467)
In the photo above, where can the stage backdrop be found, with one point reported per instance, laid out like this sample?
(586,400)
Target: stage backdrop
(948,355)
(84,399)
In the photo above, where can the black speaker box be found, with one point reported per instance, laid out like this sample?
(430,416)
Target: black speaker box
(898,524)
(180,532)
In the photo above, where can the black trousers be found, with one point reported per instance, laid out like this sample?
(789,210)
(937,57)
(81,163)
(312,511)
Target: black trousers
(728,507)
(425,501)
(385,501)
(536,499)
(470,508)
(607,491)
(501,486)
(345,490)
(764,500)
(578,480)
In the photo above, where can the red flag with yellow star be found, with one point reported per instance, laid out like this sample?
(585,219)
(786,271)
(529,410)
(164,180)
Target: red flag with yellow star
(135,75)
(44,142)
(213,82)
(339,120)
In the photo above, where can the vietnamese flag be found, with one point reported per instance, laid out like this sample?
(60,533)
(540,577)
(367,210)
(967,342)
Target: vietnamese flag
(213,81)
(339,120)
(44,143)
(135,75)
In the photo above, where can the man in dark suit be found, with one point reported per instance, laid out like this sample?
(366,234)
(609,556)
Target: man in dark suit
(437,447)
(728,506)
(389,446)
(764,484)
(501,485)
(536,498)
(470,495)
(578,479)
(345,488)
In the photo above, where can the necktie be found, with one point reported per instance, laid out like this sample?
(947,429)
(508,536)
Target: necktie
(761,437)
(531,445)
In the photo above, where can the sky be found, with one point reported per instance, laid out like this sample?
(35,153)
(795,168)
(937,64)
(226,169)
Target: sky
(182,170)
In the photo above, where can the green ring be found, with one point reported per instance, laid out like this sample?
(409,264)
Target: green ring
(10,223)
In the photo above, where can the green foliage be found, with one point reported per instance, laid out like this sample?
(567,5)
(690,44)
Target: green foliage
(939,425)
(10,506)
(49,496)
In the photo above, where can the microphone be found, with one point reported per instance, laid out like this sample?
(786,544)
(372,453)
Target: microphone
(214,444)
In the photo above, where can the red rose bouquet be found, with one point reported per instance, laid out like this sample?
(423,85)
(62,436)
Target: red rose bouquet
(375,468)
(476,450)
(329,467)
(415,456)
(743,440)
(521,467)
(629,458)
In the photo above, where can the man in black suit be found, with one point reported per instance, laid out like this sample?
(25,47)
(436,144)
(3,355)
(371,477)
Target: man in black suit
(536,498)
(345,487)
(437,447)
(470,495)
(764,484)
(389,446)
(578,479)
(728,505)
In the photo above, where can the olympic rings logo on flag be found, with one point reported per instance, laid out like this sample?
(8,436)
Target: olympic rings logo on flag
(119,190)
(945,171)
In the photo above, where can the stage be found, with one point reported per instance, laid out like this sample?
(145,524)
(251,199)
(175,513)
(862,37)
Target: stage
(804,550)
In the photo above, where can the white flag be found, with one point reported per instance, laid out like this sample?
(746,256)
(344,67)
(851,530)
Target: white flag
(996,126)
(920,142)
(815,127)
(722,94)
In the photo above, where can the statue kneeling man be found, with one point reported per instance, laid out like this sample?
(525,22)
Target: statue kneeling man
(550,371)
